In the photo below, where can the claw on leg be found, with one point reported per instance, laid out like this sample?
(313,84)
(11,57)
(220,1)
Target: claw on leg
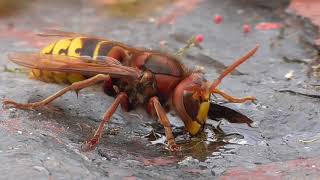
(174,147)
(92,143)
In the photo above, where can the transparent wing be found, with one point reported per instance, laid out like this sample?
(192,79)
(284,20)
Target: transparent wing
(65,34)
(82,65)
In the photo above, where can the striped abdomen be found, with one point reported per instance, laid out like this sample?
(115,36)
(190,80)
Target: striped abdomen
(76,47)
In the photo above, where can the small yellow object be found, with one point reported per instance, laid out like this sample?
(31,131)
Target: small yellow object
(35,74)
(193,128)
(203,112)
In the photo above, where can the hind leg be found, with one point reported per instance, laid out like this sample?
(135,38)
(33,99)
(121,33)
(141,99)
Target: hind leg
(77,86)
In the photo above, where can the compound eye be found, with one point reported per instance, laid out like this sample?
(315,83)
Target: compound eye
(196,106)
(191,104)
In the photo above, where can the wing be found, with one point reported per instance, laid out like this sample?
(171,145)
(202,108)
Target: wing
(82,65)
(54,33)
(65,34)
(218,111)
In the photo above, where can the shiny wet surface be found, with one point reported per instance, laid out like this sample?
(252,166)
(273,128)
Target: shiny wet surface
(41,144)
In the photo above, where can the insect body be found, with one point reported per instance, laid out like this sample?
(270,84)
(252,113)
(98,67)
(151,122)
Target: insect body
(133,76)
(93,48)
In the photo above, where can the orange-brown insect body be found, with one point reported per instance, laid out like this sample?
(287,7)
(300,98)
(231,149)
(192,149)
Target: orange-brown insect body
(161,73)
(138,77)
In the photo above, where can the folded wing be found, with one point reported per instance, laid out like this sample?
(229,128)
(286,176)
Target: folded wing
(81,65)
(218,111)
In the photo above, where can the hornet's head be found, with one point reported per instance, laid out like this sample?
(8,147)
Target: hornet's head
(191,102)
(191,98)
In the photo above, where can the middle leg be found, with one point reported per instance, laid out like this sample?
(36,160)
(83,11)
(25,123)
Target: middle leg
(92,143)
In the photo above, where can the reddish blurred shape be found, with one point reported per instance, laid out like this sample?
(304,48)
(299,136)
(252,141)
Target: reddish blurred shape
(109,2)
(129,178)
(246,28)
(12,125)
(180,8)
(307,8)
(317,42)
(292,169)
(199,38)
(194,170)
(159,161)
(268,26)
(218,19)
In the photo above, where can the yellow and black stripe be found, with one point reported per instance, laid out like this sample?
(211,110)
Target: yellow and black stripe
(76,47)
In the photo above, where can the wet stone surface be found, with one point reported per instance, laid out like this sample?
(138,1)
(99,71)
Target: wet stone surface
(44,143)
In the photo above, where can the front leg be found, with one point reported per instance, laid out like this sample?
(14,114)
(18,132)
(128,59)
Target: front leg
(156,106)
